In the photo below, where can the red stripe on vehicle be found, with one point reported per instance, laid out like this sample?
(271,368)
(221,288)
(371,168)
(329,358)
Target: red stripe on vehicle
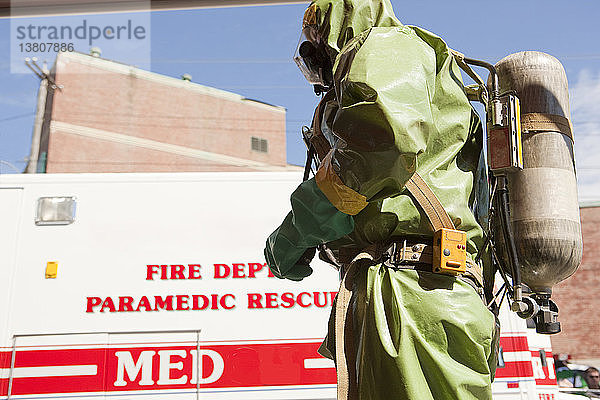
(514,343)
(172,367)
(5,357)
(517,369)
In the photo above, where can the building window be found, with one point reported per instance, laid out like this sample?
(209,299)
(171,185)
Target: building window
(258,144)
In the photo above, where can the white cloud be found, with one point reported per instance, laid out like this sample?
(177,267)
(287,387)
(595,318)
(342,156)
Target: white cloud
(585,115)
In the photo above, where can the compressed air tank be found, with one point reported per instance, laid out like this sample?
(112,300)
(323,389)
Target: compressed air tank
(544,210)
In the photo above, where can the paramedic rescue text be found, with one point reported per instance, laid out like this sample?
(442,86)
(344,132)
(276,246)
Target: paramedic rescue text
(207,301)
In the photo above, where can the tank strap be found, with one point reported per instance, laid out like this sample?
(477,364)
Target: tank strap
(422,193)
(540,122)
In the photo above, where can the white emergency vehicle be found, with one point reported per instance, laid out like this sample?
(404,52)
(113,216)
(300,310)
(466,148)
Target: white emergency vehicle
(154,286)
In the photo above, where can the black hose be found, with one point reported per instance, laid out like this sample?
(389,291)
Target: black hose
(309,160)
(509,237)
(493,74)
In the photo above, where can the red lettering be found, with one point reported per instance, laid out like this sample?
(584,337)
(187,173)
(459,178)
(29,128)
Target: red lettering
(177,271)
(288,299)
(144,303)
(215,302)
(165,304)
(150,272)
(299,300)
(254,268)
(317,294)
(238,270)
(194,271)
(163,272)
(332,296)
(92,302)
(254,300)
(271,300)
(270,273)
(108,303)
(223,302)
(195,303)
(219,274)
(125,303)
(182,302)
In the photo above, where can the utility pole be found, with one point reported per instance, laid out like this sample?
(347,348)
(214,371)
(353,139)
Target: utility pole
(45,79)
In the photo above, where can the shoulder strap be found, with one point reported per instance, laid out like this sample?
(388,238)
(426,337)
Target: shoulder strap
(422,193)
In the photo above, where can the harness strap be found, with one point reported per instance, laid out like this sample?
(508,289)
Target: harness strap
(347,387)
(422,193)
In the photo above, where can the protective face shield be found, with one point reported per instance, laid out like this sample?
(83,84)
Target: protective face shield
(312,59)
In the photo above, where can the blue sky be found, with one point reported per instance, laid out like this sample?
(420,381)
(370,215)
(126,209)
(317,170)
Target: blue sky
(248,51)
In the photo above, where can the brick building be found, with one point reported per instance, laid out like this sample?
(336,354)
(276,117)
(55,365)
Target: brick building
(109,117)
(578,297)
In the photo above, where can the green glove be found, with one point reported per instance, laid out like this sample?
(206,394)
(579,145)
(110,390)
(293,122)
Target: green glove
(312,221)
(299,271)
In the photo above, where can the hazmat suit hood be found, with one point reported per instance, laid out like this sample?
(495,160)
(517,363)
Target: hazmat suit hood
(335,22)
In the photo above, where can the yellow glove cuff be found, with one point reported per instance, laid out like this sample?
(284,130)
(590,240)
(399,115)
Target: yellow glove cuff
(341,196)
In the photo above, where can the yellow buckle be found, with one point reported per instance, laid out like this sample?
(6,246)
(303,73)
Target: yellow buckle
(449,252)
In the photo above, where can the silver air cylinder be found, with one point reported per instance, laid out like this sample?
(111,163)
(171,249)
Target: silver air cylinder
(544,211)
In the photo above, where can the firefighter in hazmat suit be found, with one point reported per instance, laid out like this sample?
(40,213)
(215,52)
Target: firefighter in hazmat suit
(395,109)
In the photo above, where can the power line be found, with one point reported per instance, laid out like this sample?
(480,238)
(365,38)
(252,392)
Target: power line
(178,117)
(2,162)
(289,61)
(221,61)
(187,130)
(17,117)
(199,163)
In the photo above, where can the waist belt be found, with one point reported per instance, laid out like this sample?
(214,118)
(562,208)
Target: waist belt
(410,254)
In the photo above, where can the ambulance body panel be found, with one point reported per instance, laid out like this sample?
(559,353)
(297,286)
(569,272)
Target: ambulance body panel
(161,292)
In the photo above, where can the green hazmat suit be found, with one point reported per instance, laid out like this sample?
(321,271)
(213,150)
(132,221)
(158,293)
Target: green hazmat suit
(398,107)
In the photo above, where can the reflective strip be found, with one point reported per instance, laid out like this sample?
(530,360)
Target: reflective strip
(514,356)
(310,363)
(341,196)
(58,370)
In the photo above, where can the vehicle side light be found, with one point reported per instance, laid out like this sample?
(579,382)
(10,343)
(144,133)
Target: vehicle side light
(55,211)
